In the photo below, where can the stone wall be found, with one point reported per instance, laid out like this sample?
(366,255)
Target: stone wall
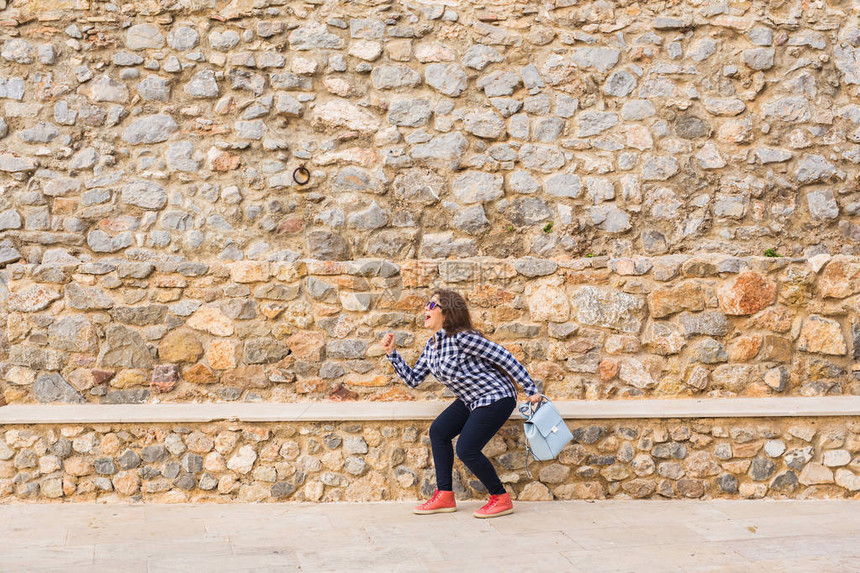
(716,458)
(172,129)
(118,332)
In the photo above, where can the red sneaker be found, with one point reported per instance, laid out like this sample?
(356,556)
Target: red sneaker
(441,502)
(498,505)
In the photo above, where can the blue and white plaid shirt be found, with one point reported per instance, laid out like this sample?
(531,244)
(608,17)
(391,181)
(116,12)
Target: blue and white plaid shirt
(464,363)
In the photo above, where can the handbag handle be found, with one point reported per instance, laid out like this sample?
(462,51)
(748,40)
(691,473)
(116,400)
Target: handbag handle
(528,409)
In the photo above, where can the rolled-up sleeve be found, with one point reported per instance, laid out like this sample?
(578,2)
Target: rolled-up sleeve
(412,376)
(476,345)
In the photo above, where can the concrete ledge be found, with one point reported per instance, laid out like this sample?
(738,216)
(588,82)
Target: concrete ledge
(381,411)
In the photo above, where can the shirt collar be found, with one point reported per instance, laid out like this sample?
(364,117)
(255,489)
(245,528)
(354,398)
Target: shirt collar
(440,333)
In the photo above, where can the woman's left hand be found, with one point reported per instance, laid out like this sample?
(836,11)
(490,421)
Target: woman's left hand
(535,399)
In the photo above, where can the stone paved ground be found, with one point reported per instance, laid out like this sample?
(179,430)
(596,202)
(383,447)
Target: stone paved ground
(722,535)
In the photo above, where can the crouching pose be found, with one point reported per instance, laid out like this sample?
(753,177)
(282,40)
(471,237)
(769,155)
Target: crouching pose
(478,371)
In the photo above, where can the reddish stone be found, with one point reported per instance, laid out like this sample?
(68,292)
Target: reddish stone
(180,346)
(607,369)
(306,345)
(744,348)
(164,378)
(488,295)
(311,385)
(750,293)
(667,301)
(225,162)
(246,377)
(775,349)
(774,319)
(291,225)
(840,279)
(102,376)
(199,374)
(396,394)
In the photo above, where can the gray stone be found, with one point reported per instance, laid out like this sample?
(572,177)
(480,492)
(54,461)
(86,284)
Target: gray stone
(532,78)
(447,79)
(620,84)
(371,217)
(50,388)
(19,51)
(548,129)
(314,36)
(772,155)
(286,104)
(702,49)
(123,347)
(688,126)
(603,59)
(564,185)
(609,309)
(144,194)
(394,76)
(11,163)
(709,322)
(659,168)
(144,36)
(12,88)
(10,219)
(223,41)
(477,187)
(761,469)
(129,460)
(183,38)
(760,36)
(139,315)
(87,298)
(724,106)
(522,182)
(846,59)
(822,204)
(796,459)
(528,211)
(203,84)
(759,58)
(542,158)
(354,179)
(479,56)
(255,129)
(814,168)
(346,349)
(132,396)
(499,83)
(42,132)
(728,483)
(150,129)
(445,150)
(637,109)
(327,246)
(610,218)
(485,124)
(154,88)
(471,219)
(793,109)
(594,122)
(73,333)
(154,454)
(710,351)
(105,466)
(409,112)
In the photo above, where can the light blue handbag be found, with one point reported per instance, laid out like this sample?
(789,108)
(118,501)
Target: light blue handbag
(545,430)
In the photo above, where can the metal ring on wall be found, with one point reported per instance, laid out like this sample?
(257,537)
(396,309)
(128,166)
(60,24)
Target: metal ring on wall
(306,175)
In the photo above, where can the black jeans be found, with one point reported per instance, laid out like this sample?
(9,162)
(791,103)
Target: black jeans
(475,429)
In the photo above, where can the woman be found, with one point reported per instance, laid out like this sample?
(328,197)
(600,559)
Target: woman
(474,369)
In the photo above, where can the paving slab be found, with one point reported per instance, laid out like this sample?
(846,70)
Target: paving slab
(616,536)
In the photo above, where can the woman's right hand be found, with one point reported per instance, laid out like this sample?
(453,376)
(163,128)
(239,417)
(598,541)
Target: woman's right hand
(388,342)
